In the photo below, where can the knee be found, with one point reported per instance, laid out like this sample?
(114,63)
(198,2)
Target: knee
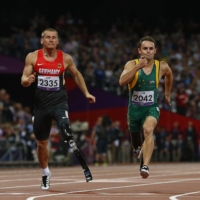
(42,144)
(148,131)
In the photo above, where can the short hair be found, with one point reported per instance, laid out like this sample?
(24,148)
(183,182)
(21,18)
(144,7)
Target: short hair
(147,38)
(48,29)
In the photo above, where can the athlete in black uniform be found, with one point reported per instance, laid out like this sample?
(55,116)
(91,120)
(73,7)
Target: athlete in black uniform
(46,67)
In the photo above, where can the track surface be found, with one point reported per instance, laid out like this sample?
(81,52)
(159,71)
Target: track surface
(167,181)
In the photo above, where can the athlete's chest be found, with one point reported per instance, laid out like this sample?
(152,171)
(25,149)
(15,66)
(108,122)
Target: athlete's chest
(49,68)
(145,80)
(53,68)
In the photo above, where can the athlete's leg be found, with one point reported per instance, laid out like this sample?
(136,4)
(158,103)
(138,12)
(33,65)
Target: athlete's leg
(42,126)
(148,145)
(43,157)
(149,121)
(43,153)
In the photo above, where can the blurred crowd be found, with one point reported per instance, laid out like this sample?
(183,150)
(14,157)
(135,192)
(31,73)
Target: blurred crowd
(103,144)
(100,54)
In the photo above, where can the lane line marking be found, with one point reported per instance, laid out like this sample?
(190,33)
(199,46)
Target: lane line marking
(14,193)
(180,195)
(97,180)
(109,188)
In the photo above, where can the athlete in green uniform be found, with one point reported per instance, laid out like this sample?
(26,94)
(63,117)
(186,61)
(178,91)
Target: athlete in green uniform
(142,77)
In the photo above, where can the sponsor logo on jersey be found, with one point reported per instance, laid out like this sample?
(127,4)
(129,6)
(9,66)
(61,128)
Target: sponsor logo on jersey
(40,64)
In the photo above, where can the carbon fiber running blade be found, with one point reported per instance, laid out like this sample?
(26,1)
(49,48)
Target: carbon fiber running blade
(139,154)
(88,175)
(81,160)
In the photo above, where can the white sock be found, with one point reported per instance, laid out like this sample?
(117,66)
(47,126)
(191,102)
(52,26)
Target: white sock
(45,171)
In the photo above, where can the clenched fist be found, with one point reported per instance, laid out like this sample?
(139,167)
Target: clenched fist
(31,78)
(142,62)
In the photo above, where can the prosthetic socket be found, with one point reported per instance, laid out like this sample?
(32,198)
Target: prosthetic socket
(67,136)
(66,132)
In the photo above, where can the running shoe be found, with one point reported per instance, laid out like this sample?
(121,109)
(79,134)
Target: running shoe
(45,184)
(144,171)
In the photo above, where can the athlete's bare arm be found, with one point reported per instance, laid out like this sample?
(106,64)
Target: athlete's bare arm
(78,78)
(166,71)
(130,70)
(28,75)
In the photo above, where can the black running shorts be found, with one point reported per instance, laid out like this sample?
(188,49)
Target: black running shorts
(43,120)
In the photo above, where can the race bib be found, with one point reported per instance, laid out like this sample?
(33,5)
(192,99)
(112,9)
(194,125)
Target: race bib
(143,98)
(48,83)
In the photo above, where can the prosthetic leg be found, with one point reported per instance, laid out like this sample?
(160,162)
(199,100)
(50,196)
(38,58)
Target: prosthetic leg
(67,136)
(81,160)
(137,140)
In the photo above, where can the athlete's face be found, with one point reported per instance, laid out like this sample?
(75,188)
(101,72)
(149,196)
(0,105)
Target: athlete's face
(50,39)
(147,50)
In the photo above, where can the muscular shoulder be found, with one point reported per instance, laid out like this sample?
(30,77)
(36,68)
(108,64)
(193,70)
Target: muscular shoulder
(67,59)
(130,64)
(31,57)
(163,64)
(164,68)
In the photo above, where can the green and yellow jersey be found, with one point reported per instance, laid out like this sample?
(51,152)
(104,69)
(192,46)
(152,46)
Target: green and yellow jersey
(143,89)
